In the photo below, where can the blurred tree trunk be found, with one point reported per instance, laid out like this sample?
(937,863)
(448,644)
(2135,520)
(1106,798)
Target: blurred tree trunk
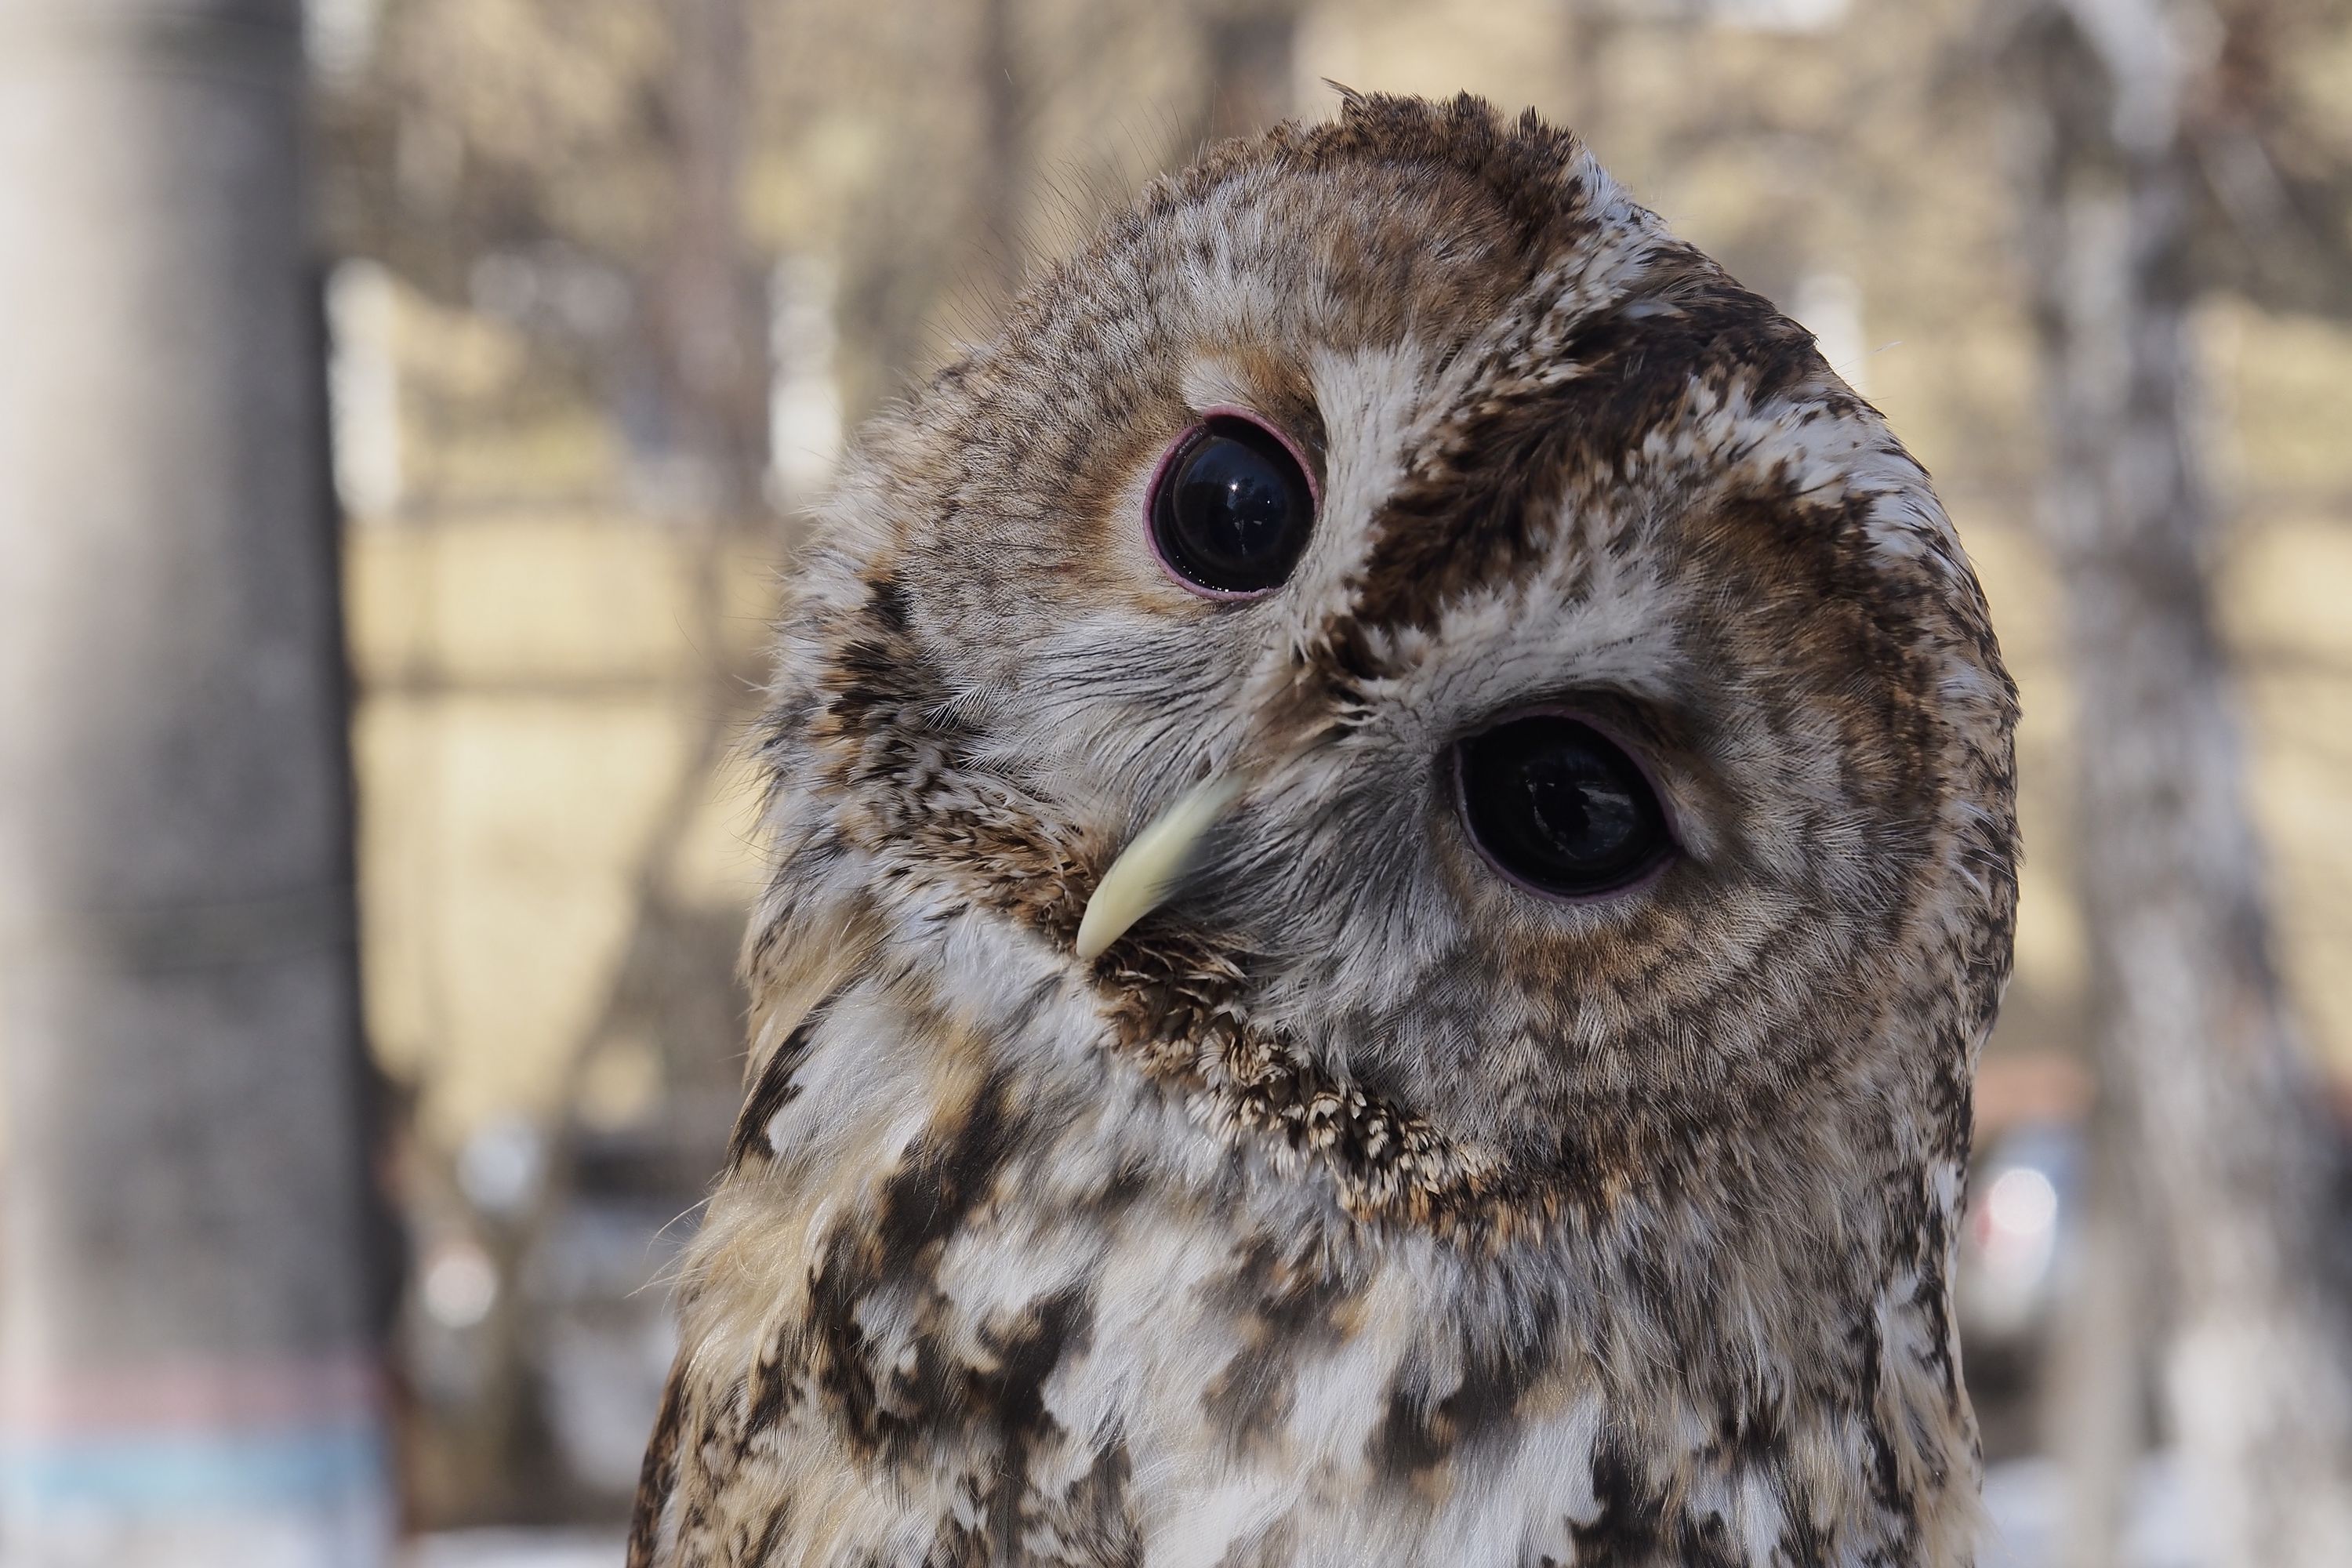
(2093,1373)
(997,185)
(1592,28)
(187,1370)
(710,330)
(711,314)
(2220,1136)
(1250,51)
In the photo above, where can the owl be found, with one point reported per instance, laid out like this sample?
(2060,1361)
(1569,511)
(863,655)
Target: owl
(1392,844)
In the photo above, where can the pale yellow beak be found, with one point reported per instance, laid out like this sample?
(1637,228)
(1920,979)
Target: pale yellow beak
(1140,878)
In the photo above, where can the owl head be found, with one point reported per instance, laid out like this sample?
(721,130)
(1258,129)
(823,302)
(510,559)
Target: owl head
(1497,725)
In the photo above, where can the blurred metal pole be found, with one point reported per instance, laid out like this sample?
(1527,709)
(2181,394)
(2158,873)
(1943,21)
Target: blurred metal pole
(186,1375)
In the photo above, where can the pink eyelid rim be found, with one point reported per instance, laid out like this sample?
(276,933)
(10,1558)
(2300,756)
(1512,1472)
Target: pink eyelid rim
(1183,444)
(1675,851)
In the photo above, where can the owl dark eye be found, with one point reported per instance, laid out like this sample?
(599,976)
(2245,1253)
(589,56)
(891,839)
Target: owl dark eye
(1558,805)
(1230,508)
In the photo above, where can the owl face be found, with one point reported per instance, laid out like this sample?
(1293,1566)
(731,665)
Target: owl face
(1554,710)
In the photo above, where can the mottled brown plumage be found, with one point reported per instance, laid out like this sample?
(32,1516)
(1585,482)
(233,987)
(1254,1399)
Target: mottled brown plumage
(1359,1205)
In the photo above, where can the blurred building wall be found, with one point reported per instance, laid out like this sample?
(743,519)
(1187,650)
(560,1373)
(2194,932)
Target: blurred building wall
(535,686)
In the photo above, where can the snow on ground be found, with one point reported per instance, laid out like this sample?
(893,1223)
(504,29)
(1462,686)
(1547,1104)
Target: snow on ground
(516,1549)
(2021,1500)
(2027,1516)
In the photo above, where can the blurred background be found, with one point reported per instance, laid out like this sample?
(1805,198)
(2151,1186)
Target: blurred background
(407,409)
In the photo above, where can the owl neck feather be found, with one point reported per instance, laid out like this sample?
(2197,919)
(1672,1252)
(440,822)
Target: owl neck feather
(993,1213)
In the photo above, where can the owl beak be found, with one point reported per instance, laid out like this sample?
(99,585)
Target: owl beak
(1140,878)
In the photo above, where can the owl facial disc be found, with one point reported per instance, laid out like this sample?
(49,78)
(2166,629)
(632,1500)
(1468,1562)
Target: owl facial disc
(1140,878)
